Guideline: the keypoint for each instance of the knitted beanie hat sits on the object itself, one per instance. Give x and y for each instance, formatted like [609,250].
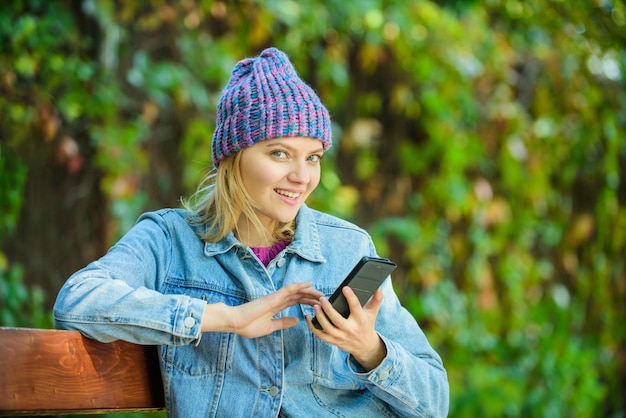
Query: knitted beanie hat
[266,99]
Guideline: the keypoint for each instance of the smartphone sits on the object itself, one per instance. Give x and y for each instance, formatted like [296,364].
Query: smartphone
[367,276]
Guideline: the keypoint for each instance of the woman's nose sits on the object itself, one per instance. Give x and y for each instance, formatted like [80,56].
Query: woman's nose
[299,173]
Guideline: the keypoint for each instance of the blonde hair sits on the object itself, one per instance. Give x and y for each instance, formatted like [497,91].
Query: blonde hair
[221,200]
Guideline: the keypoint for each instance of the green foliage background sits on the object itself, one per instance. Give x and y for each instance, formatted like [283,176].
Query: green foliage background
[480,142]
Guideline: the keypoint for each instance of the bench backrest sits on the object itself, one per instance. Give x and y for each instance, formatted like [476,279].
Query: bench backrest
[49,372]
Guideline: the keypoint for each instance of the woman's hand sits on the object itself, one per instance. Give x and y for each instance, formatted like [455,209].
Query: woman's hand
[355,334]
[256,318]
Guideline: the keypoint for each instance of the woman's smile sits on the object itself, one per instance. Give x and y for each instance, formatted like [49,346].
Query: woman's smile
[291,196]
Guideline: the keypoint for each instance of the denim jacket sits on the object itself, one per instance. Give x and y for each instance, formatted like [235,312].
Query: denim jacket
[152,286]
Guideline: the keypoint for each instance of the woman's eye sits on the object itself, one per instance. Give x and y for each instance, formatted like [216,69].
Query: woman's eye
[279,154]
[315,158]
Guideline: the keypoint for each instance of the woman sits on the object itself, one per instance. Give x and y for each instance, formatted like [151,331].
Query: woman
[227,288]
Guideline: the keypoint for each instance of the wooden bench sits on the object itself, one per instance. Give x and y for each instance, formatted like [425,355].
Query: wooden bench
[49,372]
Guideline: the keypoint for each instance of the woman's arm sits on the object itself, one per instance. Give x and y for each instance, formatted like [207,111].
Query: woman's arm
[388,352]
[120,296]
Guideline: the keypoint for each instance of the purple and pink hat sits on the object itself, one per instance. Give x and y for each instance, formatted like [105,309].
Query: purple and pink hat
[265,99]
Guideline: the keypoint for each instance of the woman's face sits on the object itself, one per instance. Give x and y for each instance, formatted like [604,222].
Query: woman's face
[279,174]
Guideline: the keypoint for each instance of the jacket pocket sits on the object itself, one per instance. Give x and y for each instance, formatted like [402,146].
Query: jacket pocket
[215,351]
[213,355]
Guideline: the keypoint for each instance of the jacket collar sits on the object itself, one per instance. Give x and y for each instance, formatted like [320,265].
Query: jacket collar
[307,240]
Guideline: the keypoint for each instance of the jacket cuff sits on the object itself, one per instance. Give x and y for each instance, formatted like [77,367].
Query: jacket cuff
[382,375]
[188,320]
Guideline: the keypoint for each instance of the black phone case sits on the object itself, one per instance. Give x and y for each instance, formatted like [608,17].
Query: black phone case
[364,279]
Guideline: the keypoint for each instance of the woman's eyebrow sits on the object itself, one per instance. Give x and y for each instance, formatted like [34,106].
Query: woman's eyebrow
[291,147]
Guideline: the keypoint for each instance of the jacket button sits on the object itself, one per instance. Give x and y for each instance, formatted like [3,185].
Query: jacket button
[189,322]
[383,375]
[280,262]
[273,391]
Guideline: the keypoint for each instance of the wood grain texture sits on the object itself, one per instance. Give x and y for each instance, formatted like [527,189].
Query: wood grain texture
[62,372]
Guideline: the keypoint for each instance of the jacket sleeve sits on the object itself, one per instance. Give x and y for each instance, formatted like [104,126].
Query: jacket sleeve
[411,379]
[118,296]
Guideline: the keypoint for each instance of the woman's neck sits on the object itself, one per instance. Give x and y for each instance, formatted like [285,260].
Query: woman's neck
[249,235]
